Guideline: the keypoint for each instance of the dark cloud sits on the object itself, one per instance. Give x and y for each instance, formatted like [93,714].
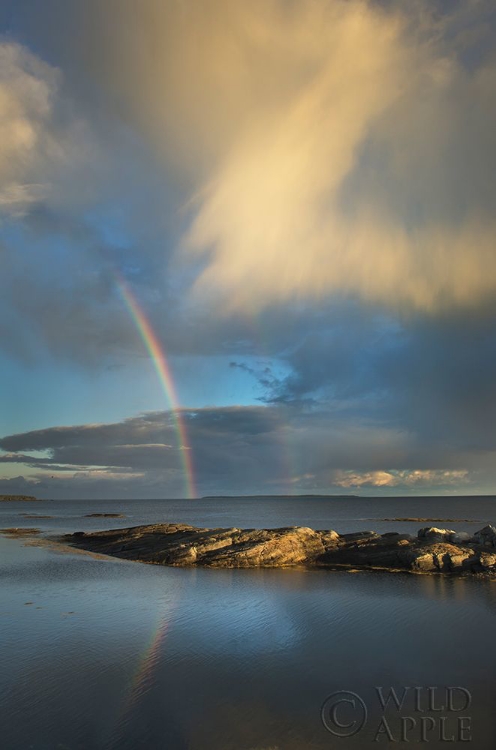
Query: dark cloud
[152,428]
[274,448]
[432,378]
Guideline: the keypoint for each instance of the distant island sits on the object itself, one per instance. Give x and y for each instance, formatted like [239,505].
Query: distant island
[18,498]
[432,550]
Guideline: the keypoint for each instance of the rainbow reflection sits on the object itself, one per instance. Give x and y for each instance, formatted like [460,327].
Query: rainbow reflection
[142,681]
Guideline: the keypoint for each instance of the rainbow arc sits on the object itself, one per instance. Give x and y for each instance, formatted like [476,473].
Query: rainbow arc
[164,374]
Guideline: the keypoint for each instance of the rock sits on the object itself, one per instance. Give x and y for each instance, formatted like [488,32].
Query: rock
[434,534]
[179,544]
[392,534]
[290,546]
[358,535]
[329,537]
[433,551]
[424,562]
[486,536]
[444,558]
[487,560]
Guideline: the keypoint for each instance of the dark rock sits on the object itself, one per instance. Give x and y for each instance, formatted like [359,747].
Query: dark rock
[486,536]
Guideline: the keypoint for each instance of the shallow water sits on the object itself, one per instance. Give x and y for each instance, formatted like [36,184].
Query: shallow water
[103,653]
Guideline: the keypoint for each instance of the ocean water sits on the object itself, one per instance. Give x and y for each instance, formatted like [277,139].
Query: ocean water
[99,653]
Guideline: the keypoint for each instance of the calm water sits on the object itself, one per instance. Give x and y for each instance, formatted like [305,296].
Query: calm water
[101,653]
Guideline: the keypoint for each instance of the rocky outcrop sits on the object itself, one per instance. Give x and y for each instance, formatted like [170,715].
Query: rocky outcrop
[17,498]
[433,550]
[180,544]
[19,531]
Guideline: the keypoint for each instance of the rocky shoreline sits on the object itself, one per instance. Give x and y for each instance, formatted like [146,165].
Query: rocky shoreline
[433,550]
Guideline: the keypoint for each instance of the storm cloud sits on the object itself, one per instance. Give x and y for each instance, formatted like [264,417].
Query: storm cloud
[318,148]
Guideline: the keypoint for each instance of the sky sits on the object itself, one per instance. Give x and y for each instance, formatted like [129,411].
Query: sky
[247,247]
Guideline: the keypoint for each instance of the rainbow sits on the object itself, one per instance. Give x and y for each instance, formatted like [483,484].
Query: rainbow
[157,354]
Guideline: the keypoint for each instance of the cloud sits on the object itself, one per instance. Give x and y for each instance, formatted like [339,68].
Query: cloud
[301,151]
[50,161]
[44,142]
[16,198]
[149,429]
[321,148]
[403,479]
[367,179]
[27,88]
[79,199]
[239,450]
[74,458]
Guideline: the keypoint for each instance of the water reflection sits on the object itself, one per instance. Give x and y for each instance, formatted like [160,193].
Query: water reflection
[114,655]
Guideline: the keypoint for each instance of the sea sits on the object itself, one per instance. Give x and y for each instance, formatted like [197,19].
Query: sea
[98,653]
